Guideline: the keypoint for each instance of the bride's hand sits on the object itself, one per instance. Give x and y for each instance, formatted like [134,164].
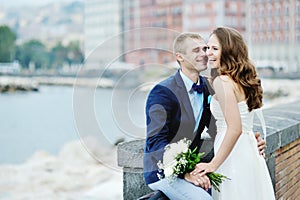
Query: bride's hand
[201,181]
[261,144]
[203,168]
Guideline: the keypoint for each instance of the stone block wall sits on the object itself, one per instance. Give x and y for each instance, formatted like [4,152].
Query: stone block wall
[287,171]
[130,157]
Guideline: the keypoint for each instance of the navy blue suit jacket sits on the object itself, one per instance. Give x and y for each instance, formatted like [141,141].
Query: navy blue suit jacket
[170,118]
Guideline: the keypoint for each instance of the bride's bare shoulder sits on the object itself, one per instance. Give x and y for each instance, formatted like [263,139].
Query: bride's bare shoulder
[228,85]
[223,79]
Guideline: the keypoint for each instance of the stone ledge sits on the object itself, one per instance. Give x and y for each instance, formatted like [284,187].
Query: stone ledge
[130,154]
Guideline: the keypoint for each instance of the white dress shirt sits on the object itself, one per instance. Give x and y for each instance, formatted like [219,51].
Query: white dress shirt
[196,99]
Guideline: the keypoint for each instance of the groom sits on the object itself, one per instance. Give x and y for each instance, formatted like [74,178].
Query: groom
[178,108]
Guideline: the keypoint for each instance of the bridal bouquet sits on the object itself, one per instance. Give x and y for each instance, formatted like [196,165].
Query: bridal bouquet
[179,159]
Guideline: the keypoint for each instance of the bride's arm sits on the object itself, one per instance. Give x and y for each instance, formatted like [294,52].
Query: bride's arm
[226,97]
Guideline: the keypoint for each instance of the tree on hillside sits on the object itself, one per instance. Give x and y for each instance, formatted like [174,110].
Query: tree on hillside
[75,55]
[33,52]
[70,54]
[58,55]
[7,44]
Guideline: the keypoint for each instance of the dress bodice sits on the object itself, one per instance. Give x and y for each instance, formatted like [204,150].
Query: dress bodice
[246,116]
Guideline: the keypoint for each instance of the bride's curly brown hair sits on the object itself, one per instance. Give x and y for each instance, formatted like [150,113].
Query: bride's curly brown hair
[236,64]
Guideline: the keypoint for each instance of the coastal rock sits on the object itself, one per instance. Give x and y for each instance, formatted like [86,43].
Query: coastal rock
[18,87]
[8,84]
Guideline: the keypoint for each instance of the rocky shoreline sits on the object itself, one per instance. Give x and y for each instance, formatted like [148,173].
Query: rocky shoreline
[274,89]
[13,84]
[16,84]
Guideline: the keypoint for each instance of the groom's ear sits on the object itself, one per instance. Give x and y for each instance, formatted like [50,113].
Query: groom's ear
[179,57]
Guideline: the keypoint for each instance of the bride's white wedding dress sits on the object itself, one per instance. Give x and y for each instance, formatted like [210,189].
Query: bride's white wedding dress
[247,169]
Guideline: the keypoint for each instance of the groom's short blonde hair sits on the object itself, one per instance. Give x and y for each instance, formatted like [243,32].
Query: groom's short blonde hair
[179,45]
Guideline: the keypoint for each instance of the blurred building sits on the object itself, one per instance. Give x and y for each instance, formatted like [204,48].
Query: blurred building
[171,17]
[103,25]
[274,33]
[119,29]
[122,27]
[10,68]
[203,15]
[151,45]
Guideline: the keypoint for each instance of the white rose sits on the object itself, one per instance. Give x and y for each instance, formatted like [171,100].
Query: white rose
[168,169]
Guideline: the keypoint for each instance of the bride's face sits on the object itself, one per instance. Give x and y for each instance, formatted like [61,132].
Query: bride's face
[213,52]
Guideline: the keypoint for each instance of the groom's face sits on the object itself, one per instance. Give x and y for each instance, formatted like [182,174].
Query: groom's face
[195,57]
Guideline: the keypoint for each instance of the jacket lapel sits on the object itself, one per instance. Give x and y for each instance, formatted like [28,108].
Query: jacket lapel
[183,97]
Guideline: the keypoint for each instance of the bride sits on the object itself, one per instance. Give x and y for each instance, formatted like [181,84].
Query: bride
[238,94]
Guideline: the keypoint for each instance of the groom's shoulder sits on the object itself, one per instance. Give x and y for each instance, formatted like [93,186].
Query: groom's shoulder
[164,87]
[167,83]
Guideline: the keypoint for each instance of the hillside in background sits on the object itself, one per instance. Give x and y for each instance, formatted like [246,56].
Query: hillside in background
[52,22]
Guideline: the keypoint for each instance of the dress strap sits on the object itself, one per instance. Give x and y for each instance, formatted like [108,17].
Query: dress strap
[261,118]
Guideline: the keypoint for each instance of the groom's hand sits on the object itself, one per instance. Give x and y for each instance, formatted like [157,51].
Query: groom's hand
[261,144]
[201,181]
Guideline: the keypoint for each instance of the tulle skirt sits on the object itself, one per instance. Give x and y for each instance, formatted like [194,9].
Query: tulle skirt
[247,170]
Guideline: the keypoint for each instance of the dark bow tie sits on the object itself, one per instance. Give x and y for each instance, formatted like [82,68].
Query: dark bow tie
[198,88]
